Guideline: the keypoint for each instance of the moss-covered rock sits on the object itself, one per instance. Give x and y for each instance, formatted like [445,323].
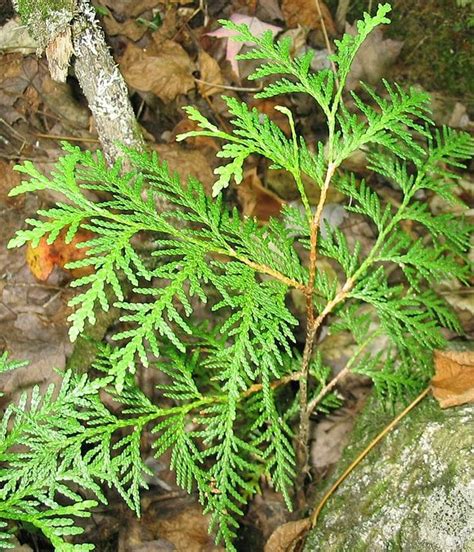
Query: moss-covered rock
[414,492]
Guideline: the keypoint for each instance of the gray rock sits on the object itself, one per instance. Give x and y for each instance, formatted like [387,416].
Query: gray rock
[414,492]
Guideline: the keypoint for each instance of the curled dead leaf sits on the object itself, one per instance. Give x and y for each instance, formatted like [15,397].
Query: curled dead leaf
[129,28]
[306,14]
[44,257]
[257,201]
[210,74]
[287,536]
[164,70]
[453,383]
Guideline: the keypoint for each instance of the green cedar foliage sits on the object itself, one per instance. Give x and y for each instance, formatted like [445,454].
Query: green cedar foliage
[229,419]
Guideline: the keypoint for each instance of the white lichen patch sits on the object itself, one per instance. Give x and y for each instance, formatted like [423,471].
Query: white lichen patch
[103,85]
[448,520]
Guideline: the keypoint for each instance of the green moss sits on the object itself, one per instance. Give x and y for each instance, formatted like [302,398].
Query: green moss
[45,19]
[375,493]
[43,8]
[438,51]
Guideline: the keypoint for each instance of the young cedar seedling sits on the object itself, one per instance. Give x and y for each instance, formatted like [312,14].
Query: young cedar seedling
[234,417]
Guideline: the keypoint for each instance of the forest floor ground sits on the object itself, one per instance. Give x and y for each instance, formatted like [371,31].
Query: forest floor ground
[169,61]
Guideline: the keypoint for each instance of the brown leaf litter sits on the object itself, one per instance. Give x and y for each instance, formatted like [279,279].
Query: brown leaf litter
[453,383]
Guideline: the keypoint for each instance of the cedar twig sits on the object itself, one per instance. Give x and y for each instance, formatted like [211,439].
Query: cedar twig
[263,269]
[228,86]
[341,375]
[66,138]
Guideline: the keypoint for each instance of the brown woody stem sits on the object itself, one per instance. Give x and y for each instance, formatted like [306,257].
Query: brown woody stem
[313,324]
[274,385]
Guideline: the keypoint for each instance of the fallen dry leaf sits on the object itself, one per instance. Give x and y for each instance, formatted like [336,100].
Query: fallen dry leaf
[165,70]
[257,201]
[15,74]
[131,8]
[306,14]
[453,383]
[256,27]
[186,125]
[210,73]
[14,37]
[373,58]
[176,526]
[188,531]
[44,257]
[269,10]
[129,28]
[8,180]
[287,536]
[267,107]
[187,162]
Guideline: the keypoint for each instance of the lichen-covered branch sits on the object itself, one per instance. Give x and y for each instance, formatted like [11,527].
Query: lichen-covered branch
[65,27]
[103,85]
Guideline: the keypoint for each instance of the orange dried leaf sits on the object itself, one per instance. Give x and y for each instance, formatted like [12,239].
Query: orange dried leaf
[43,258]
[306,14]
[453,383]
[40,259]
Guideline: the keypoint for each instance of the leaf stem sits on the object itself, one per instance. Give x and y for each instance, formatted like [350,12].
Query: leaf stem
[330,386]
[264,269]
